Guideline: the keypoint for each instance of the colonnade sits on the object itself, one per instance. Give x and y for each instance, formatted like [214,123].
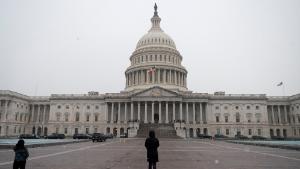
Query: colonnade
[39,113]
[156,112]
[279,114]
[163,76]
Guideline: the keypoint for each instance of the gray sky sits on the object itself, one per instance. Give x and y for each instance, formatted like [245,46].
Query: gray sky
[237,46]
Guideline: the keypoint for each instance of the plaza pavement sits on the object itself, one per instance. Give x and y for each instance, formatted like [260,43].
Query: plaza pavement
[173,154]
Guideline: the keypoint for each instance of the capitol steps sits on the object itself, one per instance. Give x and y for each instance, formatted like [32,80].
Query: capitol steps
[161,130]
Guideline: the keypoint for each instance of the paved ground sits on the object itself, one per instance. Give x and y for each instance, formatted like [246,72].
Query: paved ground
[173,154]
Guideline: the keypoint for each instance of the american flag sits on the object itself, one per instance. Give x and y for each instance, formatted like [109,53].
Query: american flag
[279,84]
[151,70]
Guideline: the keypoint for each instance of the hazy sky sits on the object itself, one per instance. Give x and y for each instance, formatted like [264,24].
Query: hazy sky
[76,46]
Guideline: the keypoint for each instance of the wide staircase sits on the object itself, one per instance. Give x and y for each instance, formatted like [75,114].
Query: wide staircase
[161,130]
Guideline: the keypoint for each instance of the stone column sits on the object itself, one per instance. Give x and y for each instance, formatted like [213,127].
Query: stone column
[112,112]
[142,77]
[153,76]
[175,77]
[173,111]
[32,113]
[167,113]
[147,77]
[44,114]
[106,112]
[279,114]
[38,116]
[159,112]
[170,76]
[194,113]
[158,74]
[125,116]
[146,113]
[285,114]
[273,115]
[131,111]
[152,115]
[164,76]
[119,112]
[201,115]
[180,110]
[187,112]
[139,111]
[5,110]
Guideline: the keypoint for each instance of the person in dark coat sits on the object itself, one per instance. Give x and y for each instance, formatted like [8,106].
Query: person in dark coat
[151,145]
[21,155]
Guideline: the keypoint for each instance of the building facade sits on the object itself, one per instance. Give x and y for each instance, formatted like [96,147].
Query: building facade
[155,92]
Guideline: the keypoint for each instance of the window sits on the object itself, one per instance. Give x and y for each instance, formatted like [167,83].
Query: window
[236,107]
[66,130]
[95,130]
[15,129]
[97,107]
[77,117]
[248,107]
[88,107]
[225,107]
[249,120]
[58,106]
[77,107]
[295,132]
[299,119]
[226,119]
[87,117]
[67,107]
[249,131]
[257,107]
[259,132]
[76,131]
[87,130]
[218,131]
[258,120]
[227,131]
[217,108]
[217,119]
[57,116]
[66,117]
[96,117]
[16,116]
[237,118]
[56,130]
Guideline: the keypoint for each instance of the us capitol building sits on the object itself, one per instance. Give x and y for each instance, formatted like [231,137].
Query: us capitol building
[155,95]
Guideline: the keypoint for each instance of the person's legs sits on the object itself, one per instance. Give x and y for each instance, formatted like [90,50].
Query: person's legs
[150,165]
[16,165]
[22,164]
[154,165]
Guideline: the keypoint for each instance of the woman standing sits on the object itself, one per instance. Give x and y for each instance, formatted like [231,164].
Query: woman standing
[21,155]
[151,145]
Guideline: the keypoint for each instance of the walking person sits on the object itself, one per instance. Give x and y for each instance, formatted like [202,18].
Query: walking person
[151,145]
[21,155]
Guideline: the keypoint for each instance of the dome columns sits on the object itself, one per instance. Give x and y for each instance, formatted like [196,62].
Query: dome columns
[160,76]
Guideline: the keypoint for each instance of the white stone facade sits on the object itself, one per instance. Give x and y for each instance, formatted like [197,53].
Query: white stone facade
[155,92]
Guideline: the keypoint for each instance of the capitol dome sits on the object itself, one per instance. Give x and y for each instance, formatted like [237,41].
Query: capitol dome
[156,61]
[155,38]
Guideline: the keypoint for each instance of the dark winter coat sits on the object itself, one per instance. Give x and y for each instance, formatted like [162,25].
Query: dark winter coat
[152,144]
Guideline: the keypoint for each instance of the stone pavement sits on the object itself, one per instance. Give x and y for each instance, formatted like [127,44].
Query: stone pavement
[173,154]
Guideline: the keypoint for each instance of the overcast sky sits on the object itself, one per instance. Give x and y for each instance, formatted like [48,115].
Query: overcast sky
[238,46]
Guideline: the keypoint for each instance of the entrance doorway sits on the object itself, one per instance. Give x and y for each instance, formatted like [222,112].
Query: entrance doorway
[45,131]
[284,133]
[115,132]
[156,118]
[191,132]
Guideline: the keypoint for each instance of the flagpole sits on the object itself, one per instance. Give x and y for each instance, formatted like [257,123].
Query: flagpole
[283,91]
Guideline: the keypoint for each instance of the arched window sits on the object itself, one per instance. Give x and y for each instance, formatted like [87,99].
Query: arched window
[237,117]
[77,116]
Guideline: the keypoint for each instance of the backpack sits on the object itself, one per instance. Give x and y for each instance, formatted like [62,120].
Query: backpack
[21,155]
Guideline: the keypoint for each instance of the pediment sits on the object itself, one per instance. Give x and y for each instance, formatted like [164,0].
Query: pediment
[156,92]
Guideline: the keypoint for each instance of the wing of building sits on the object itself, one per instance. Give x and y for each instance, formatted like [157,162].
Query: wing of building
[156,97]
